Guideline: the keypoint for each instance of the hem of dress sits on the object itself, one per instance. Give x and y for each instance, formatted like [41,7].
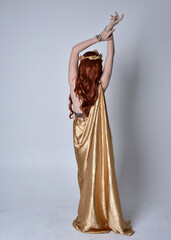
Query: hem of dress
[103,231]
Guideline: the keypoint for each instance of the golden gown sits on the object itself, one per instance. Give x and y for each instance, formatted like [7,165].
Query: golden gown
[99,209]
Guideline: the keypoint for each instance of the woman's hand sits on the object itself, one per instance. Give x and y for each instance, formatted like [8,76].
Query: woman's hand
[114,20]
[106,34]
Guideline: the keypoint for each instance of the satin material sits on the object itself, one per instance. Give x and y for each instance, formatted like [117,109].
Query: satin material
[99,209]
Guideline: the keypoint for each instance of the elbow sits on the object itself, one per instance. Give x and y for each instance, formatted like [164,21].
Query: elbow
[74,48]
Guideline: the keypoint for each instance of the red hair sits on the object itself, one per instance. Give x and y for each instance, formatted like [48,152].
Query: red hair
[89,74]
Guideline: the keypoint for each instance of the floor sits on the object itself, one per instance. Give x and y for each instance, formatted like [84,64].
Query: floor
[54,222]
[31,209]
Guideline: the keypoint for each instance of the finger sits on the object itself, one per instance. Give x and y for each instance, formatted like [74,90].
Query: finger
[117,17]
[113,16]
[117,14]
[121,17]
[114,19]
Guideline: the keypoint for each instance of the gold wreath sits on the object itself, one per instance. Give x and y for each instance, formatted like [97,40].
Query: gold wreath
[92,57]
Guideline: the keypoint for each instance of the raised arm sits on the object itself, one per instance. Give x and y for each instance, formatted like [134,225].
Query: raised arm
[74,57]
[105,34]
[111,47]
[108,65]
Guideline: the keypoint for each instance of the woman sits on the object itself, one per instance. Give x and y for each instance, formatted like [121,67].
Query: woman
[99,209]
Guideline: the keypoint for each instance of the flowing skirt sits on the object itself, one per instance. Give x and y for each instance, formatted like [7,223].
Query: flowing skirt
[99,209]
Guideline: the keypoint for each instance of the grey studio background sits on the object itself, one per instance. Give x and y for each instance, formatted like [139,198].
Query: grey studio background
[39,192]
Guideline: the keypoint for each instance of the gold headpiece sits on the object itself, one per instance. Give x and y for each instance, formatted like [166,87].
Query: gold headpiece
[92,57]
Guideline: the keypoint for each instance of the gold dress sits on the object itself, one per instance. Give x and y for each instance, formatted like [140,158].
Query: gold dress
[99,209]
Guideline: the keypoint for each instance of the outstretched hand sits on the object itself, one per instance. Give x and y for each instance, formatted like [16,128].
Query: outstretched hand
[114,20]
[106,34]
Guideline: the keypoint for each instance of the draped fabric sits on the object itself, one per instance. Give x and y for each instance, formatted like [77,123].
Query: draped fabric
[99,209]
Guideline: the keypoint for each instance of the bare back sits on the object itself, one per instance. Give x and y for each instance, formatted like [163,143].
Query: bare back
[75,100]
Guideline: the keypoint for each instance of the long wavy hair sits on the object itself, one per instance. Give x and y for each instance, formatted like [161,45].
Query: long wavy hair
[89,74]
